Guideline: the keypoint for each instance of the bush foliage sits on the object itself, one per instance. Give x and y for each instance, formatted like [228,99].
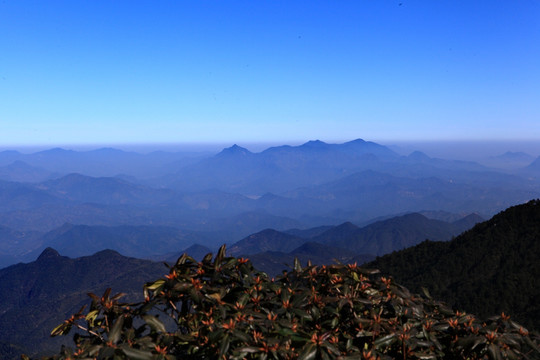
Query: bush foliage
[222,308]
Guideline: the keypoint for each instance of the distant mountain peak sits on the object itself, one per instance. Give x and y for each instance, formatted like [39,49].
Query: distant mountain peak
[418,156]
[535,165]
[108,150]
[315,143]
[359,144]
[514,155]
[369,147]
[48,253]
[10,152]
[108,253]
[235,147]
[235,150]
[56,150]
[411,215]
[347,226]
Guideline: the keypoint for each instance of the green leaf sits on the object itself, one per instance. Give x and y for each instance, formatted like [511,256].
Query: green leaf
[220,256]
[471,342]
[384,341]
[181,260]
[224,347]
[325,356]
[154,323]
[425,356]
[297,265]
[241,336]
[494,352]
[426,293]
[207,258]
[107,293]
[249,349]
[91,317]
[309,352]
[155,285]
[331,348]
[352,357]
[369,271]
[118,296]
[116,330]
[137,354]
[61,329]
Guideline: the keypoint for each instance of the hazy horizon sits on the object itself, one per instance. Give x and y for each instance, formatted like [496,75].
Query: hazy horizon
[456,150]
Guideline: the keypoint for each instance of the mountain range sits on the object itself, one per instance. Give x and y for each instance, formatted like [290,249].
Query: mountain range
[270,250]
[162,242]
[486,270]
[225,197]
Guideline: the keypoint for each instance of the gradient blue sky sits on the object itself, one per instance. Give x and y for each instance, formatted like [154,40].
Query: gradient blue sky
[110,72]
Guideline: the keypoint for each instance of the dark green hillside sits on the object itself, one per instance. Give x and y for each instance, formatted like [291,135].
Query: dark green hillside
[491,268]
[35,296]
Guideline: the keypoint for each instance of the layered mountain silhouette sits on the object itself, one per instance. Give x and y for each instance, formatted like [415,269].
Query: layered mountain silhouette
[103,190]
[135,241]
[510,160]
[534,167]
[282,168]
[234,193]
[266,240]
[394,234]
[22,172]
[271,250]
[104,162]
[34,297]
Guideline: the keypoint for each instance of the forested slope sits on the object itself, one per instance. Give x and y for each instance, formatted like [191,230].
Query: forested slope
[491,268]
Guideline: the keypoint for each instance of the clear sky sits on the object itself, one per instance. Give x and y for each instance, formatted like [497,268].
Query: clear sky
[109,72]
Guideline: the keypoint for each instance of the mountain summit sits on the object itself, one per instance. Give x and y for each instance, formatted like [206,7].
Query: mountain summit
[48,253]
[235,150]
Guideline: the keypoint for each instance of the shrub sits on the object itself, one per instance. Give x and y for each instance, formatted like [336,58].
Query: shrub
[223,308]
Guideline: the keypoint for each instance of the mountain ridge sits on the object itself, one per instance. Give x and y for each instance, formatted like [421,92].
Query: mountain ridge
[496,259]
[53,286]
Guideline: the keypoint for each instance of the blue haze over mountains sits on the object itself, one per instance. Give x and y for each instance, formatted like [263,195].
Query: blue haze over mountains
[70,199]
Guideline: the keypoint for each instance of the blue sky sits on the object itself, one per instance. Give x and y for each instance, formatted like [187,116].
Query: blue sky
[112,72]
